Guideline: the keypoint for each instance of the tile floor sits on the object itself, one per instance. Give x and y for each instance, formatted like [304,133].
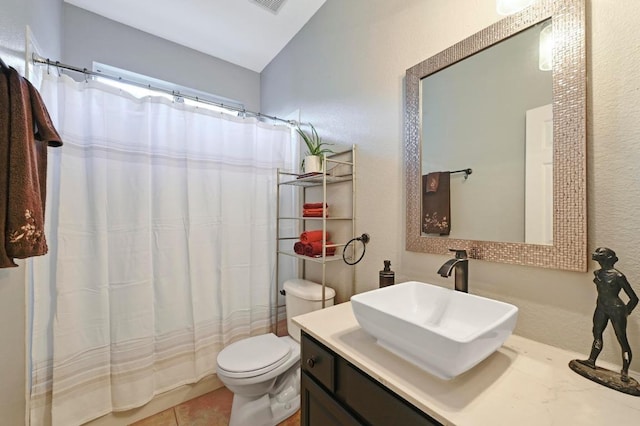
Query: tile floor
[211,409]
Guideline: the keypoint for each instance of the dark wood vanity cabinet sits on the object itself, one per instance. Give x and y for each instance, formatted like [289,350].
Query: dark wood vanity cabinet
[335,392]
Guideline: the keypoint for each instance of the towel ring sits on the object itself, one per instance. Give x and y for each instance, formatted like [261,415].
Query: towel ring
[364,238]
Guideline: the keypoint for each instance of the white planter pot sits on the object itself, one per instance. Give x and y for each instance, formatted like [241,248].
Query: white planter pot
[312,164]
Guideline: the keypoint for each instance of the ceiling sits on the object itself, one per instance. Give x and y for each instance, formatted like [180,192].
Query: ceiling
[238,31]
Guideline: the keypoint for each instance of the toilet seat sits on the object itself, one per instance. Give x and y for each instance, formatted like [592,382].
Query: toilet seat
[253,356]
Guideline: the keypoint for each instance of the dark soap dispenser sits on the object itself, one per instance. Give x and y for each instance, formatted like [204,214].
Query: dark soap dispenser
[387,276]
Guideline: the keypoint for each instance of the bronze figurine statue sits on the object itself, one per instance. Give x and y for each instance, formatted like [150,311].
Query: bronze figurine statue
[609,307]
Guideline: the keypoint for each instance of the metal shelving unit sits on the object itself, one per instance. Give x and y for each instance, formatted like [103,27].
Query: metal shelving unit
[340,169]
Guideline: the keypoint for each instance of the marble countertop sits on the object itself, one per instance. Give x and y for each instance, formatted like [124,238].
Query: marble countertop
[523,383]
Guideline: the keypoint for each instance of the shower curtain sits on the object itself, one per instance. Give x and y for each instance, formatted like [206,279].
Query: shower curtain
[161,228]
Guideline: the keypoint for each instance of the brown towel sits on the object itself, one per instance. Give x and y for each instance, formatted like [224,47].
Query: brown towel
[5,261]
[433,180]
[25,132]
[436,204]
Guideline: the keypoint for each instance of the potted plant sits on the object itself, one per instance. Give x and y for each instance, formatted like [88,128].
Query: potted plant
[312,162]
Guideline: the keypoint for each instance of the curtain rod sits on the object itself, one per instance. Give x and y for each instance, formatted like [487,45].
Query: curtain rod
[40,60]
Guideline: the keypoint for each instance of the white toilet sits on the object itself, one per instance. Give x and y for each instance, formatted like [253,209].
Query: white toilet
[263,372]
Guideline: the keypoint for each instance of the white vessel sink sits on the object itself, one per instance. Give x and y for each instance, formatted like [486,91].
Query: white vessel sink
[442,331]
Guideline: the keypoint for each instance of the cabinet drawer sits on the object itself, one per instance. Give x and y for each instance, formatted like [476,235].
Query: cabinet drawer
[318,362]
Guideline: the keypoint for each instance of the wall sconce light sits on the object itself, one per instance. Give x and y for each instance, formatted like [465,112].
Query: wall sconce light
[545,59]
[509,7]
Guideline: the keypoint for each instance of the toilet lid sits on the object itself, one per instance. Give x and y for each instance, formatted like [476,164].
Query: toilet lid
[253,356]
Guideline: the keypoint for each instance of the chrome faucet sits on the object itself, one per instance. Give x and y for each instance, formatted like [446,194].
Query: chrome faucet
[461,264]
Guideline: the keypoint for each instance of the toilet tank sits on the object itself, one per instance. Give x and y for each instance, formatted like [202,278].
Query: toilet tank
[301,297]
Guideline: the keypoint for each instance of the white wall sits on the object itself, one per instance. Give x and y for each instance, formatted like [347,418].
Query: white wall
[88,37]
[43,17]
[345,72]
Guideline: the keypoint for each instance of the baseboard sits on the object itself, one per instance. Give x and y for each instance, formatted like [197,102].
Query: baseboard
[160,403]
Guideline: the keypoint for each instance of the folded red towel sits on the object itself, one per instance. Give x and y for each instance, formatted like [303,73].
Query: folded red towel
[314,205]
[299,247]
[315,249]
[315,212]
[312,214]
[311,236]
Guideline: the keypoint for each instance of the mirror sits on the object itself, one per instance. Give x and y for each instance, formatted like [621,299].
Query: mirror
[492,142]
[461,114]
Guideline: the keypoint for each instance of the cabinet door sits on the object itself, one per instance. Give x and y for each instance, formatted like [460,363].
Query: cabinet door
[318,408]
[374,403]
